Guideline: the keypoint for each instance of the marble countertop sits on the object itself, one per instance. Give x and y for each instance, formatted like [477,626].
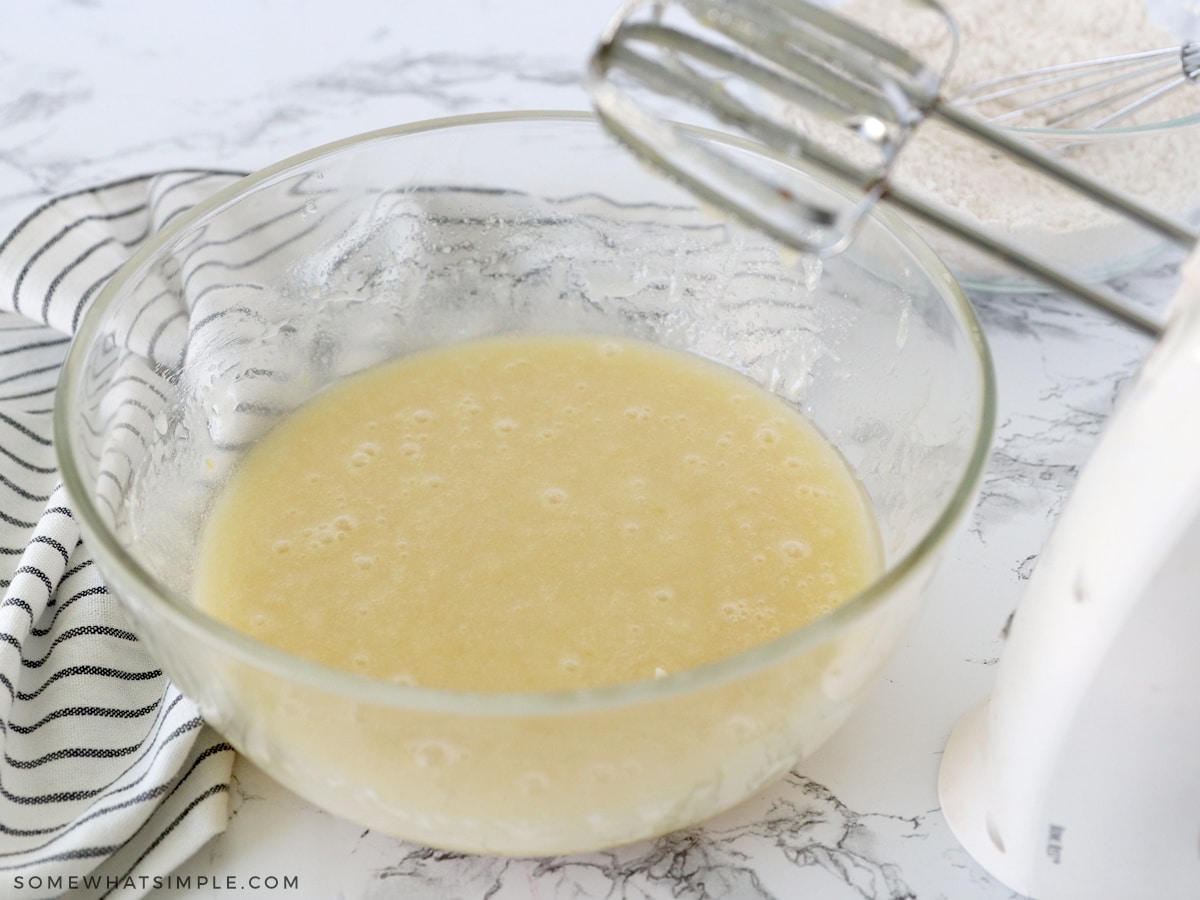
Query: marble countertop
[95,90]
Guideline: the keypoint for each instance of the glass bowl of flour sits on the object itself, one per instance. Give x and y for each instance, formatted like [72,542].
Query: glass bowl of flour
[1154,157]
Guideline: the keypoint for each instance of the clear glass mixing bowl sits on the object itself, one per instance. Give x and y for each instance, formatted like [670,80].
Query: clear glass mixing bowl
[376,246]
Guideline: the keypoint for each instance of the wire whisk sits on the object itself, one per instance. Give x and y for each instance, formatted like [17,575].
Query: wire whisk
[1088,94]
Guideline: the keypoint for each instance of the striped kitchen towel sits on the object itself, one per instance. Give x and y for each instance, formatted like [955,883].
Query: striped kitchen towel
[107,771]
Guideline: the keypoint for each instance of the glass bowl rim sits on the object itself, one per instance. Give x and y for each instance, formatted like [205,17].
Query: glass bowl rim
[108,551]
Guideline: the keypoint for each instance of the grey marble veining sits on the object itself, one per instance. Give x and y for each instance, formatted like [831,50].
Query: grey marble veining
[824,845]
[100,90]
[798,840]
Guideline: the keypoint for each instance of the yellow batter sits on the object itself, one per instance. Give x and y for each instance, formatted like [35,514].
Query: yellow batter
[533,514]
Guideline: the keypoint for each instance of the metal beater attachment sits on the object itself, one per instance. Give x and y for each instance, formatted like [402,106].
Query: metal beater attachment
[791,76]
[1089,94]
[826,107]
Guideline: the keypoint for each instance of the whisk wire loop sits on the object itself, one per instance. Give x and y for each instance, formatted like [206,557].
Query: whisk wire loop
[1089,87]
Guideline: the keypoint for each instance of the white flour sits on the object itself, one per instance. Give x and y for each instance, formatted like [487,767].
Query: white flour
[1001,37]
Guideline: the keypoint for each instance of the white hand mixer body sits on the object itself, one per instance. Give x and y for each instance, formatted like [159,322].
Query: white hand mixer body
[1080,777]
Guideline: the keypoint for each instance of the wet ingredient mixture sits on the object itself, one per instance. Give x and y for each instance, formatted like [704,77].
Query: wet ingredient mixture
[535,514]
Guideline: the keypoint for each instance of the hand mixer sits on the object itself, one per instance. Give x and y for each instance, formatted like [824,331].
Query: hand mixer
[822,92]
[1079,777]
